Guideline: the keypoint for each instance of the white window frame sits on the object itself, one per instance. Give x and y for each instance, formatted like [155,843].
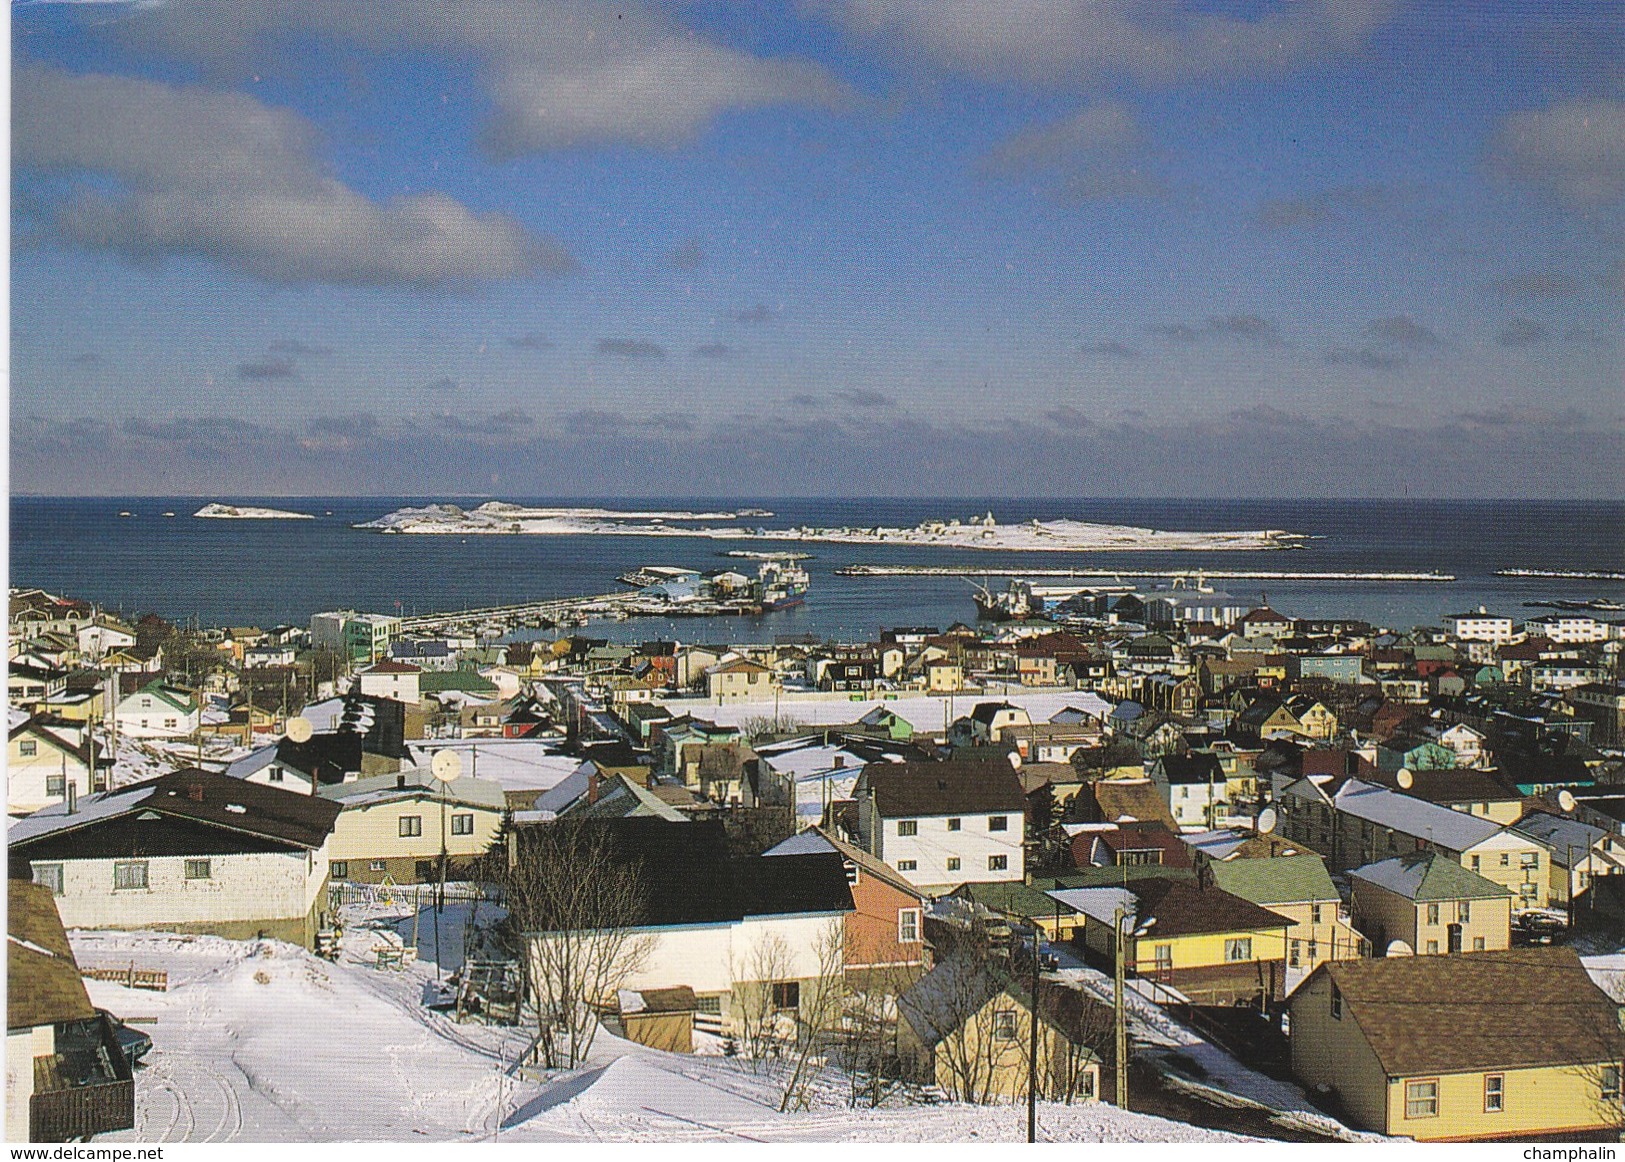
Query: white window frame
[43,876]
[908,925]
[194,866]
[907,828]
[1425,1101]
[1495,1093]
[125,869]
[907,865]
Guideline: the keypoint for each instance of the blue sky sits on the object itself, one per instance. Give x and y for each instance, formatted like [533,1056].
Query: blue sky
[836,246]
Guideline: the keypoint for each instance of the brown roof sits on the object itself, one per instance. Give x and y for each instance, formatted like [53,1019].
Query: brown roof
[1182,908]
[1114,799]
[673,1000]
[43,986]
[957,787]
[1512,1009]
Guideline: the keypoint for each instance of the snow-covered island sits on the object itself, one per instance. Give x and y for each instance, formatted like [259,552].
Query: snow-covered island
[980,532]
[247,512]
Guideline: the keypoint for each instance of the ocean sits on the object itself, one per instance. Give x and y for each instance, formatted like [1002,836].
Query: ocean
[225,572]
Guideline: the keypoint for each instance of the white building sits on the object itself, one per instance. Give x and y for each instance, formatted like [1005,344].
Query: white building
[158,710]
[394,680]
[1482,626]
[944,824]
[1567,628]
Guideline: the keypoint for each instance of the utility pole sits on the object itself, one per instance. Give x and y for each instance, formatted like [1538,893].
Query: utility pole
[1120,1016]
[1032,1047]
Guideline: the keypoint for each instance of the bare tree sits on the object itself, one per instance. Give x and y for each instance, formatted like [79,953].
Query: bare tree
[818,1017]
[574,904]
[869,1032]
[756,1011]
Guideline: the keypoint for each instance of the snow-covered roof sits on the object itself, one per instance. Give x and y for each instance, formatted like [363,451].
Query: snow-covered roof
[252,762]
[923,712]
[1455,830]
[518,764]
[808,842]
[464,791]
[90,808]
[1100,904]
[567,790]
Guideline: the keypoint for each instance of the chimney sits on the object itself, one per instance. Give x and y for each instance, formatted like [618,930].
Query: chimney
[400,782]
[592,787]
[73,797]
[194,792]
[840,761]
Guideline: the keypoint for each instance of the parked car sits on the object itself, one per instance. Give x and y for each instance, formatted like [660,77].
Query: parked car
[135,1043]
[1535,927]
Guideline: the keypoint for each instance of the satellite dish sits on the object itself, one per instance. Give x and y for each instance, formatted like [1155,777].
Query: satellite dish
[1015,759]
[1405,779]
[1267,820]
[1565,799]
[1399,948]
[299,728]
[445,765]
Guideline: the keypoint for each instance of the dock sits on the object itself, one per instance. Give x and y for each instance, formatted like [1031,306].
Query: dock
[1118,574]
[496,620]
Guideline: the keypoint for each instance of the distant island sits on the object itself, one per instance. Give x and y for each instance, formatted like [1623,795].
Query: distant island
[248,512]
[977,532]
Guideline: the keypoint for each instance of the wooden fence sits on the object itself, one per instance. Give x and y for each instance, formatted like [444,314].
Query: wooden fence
[152,979]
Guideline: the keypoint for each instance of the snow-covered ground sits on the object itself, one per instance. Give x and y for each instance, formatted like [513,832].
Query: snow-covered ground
[974,533]
[248,512]
[262,1041]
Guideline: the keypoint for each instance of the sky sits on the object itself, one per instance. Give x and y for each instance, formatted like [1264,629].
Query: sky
[827,247]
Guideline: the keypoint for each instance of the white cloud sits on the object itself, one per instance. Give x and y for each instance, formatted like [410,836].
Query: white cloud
[1060,40]
[1576,150]
[222,176]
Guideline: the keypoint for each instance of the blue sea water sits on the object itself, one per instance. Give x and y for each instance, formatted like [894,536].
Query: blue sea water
[266,572]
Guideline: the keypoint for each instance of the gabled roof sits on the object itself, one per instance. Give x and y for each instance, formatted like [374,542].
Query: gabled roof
[43,985]
[1428,876]
[1160,906]
[815,839]
[1559,835]
[1517,1008]
[1455,830]
[1284,879]
[958,787]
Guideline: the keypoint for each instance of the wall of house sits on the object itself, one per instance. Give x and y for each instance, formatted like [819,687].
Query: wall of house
[251,889]
[1333,938]
[1516,863]
[872,927]
[933,845]
[1332,1052]
[1535,1101]
[1386,916]
[148,716]
[26,775]
[22,1046]
[373,831]
[994,1068]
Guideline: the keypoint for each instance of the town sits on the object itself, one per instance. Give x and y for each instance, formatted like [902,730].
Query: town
[1172,864]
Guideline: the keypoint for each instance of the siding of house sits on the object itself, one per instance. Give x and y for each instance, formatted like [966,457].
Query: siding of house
[1386,916]
[26,774]
[1331,1051]
[933,845]
[1535,1101]
[373,831]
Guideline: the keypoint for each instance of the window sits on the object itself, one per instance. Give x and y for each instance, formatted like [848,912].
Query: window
[28,748]
[908,827]
[341,869]
[998,822]
[998,862]
[1529,859]
[712,1005]
[1004,1026]
[1433,913]
[375,865]
[1464,911]
[132,875]
[1240,948]
[1422,1099]
[1494,1093]
[908,926]
[787,994]
[953,863]
[1478,944]
[1610,1083]
[1337,1003]
[1314,913]
[1433,948]
[411,825]
[1314,950]
[50,875]
[462,824]
[1164,957]
[198,869]
[954,824]
[1506,859]
[906,865]
[1294,957]
[276,774]
[56,786]
[170,723]
[1475,863]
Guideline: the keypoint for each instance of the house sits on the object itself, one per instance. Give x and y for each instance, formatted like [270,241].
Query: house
[617,795]
[397,826]
[28,684]
[1580,852]
[1481,625]
[1212,947]
[944,675]
[943,824]
[42,764]
[66,1076]
[967,1027]
[1196,787]
[1023,904]
[190,851]
[885,935]
[394,680]
[738,679]
[158,710]
[1129,845]
[1432,905]
[988,721]
[1428,1047]
[1300,888]
[726,927]
[1125,797]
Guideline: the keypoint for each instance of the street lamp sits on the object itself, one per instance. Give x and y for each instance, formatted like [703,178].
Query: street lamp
[445,767]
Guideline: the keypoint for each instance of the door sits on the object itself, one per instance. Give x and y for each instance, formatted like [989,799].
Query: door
[1453,935]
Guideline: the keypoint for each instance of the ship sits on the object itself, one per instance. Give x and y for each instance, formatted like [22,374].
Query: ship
[782,585]
[1016,603]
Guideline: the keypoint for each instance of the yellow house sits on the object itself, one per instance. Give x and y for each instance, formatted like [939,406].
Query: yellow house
[739,680]
[1214,947]
[1432,904]
[391,825]
[968,1028]
[1463,1048]
[1300,888]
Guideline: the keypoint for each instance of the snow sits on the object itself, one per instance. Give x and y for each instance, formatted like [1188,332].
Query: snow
[248,512]
[497,517]
[1608,971]
[262,1041]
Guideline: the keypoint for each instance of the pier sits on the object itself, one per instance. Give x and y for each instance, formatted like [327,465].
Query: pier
[503,618]
[1117,574]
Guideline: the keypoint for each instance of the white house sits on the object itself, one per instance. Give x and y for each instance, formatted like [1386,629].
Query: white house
[190,851]
[944,824]
[393,680]
[1467,743]
[158,710]
[1567,628]
[1481,625]
[102,637]
[41,766]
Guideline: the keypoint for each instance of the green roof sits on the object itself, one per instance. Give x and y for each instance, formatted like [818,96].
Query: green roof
[1281,879]
[1013,899]
[1427,875]
[1109,877]
[468,681]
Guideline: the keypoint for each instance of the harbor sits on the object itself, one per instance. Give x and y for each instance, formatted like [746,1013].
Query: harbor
[1119,574]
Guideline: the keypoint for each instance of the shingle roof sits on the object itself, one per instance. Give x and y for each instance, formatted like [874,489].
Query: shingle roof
[1427,875]
[1167,906]
[43,986]
[1285,879]
[1455,830]
[906,789]
[1516,1008]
